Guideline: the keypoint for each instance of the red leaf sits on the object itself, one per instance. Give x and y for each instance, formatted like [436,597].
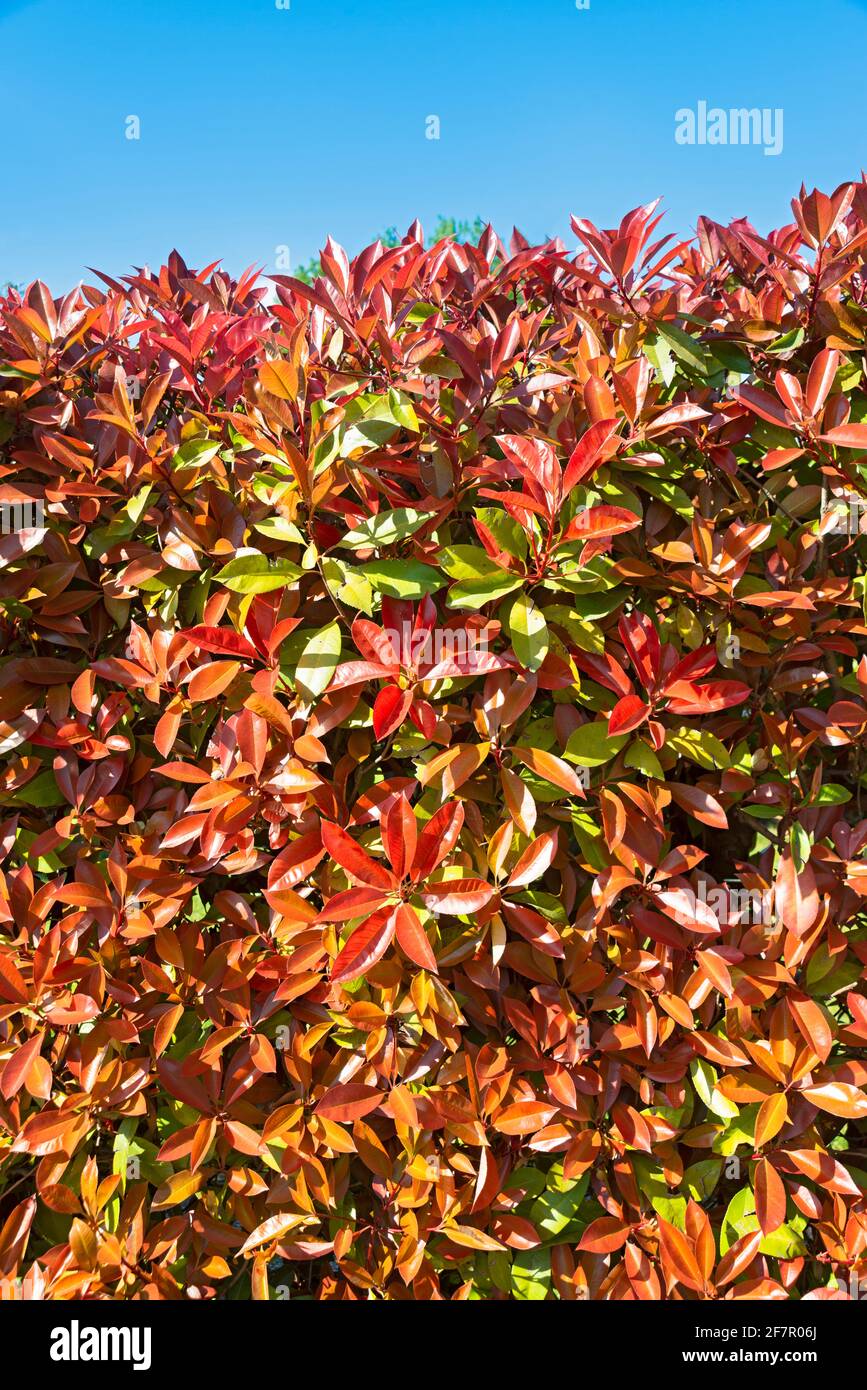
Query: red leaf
[552,769]
[293,864]
[594,523]
[537,857]
[846,436]
[12,986]
[795,895]
[737,1258]
[587,455]
[628,714]
[400,835]
[412,938]
[390,708]
[698,663]
[212,679]
[223,640]
[16,1068]
[678,1257]
[457,895]
[183,1086]
[700,804]
[603,1235]
[686,698]
[770,1197]
[779,598]
[437,840]
[349,1102]
[358,673]
[641,641]
[838,1098]
[536,461]
[354,902]
[605,671]
[534,928]
[716,971]
[367,944]
[354,861]
[812,1024]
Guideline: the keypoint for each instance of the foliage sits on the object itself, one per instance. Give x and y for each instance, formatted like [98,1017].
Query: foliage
[446,227]
[408,693]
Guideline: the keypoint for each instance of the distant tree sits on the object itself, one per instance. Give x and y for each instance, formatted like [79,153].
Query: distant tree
[460,230]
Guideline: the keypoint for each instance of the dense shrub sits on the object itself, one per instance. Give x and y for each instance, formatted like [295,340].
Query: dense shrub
[432,724]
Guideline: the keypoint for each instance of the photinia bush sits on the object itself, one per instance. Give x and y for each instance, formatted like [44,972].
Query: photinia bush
[432,709]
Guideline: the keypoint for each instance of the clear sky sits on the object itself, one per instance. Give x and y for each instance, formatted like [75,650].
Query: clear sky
[263,127]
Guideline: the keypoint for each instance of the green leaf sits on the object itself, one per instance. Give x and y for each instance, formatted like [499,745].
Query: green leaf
[41,790]
[584,634]
[386,527]
[740,1129]
[786,1243]
[658,354]
[256,574]
[531,1180]
[196,452]
[103,538]
[128,1144]
[371,420]
[136,506]
[591,745]
[686,349]
[279,528]
[531,1274]
[528,631]
[761,812]
[722,1107]
[507,532]
[590,607]
[699,746]
[826,975]
[639,755]
[669,493]
[731,357]
[348,585]
[500,1270]
[475,593]
[671,1209]
[402,578]
[402,410]
[120,528]
[700,1179]
[590,838]
[832,794]
[480,579]
[558,1206]
[318,662]
[704,1078]
[800,846]
[788,342]
[468,562]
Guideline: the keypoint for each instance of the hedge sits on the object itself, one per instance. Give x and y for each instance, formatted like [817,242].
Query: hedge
[432,706]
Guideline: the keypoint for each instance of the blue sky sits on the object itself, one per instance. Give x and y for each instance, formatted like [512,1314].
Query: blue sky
[264,127]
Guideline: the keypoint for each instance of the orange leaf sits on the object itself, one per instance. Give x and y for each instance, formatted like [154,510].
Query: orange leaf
[772,1115]
[770,1196]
